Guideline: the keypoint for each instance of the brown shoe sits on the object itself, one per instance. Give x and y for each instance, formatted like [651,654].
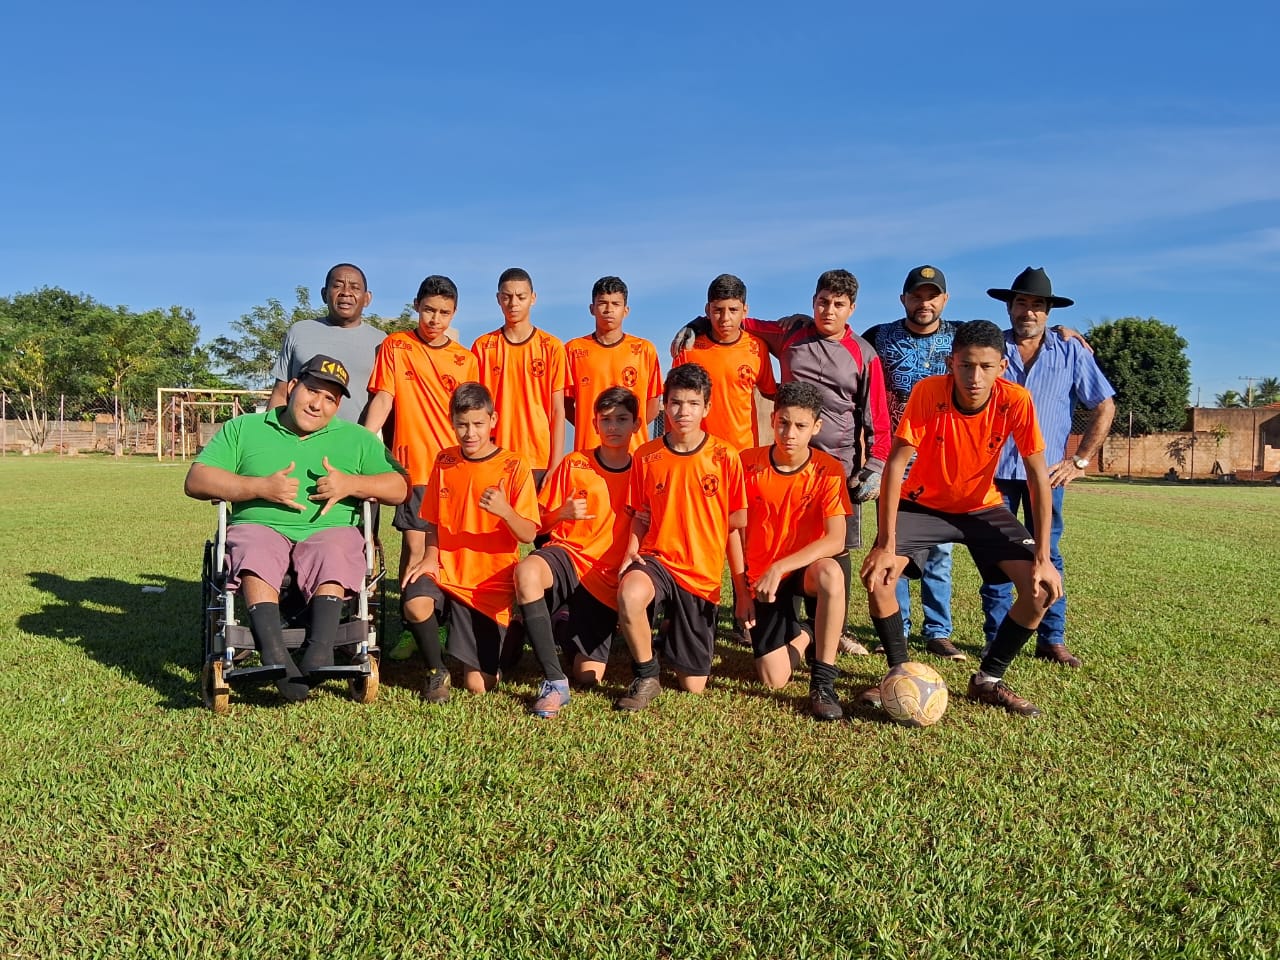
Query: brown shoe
[998,694]
[849,644]
[870,697]
[639,694]
[1057,653]
[435,688]
[943,647]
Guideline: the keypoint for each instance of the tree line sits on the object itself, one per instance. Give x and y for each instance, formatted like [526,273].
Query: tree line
[55,344]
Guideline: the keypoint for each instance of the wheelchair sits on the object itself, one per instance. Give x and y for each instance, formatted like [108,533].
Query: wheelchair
[229,644]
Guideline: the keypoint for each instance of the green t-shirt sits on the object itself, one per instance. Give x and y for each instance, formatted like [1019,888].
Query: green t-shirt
[258,445]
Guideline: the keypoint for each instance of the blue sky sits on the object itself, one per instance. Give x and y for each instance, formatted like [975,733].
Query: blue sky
[216,155]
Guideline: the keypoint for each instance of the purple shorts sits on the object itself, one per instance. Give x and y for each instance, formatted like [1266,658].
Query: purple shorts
[333,555]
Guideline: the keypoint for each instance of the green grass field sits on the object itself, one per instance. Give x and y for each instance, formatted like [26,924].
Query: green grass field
[1139,817]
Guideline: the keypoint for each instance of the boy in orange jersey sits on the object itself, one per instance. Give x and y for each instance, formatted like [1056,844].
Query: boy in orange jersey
[956,426]
[797,502]
[525,371]
[479,506]
[584,511]
[413,377]
[686,495]
[609,358]
[737,361]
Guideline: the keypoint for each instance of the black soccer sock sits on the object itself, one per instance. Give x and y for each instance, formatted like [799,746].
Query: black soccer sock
[846,571]
[1010,638]
[264,622]
[822,675]
[894,637]
[427,635]
[537,627]
[326,612]
[646,669]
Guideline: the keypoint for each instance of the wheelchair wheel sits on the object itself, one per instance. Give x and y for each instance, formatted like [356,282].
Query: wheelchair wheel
[213,689]
[365,689]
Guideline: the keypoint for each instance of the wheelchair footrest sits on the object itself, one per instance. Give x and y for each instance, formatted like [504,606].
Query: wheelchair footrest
[340,670]
[261,674]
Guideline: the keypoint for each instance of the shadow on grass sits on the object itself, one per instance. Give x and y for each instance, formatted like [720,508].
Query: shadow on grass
[153,638]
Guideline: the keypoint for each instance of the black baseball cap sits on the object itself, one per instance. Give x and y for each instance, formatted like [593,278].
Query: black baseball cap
[327,369]
[922,275]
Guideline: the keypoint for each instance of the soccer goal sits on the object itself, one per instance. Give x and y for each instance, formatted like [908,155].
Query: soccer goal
[186,418]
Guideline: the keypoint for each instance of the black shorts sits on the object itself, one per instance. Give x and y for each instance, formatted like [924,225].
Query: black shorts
[779,622]
[690,644]
[474,639]
[590,624]
[992,536]
[407,516]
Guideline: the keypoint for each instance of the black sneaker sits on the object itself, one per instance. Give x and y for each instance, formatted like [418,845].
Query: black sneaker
[639,694]
[824,704]
[435,689]
[998,694]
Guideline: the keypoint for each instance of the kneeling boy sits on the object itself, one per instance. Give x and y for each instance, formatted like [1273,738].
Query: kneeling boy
[478,505]
[797,502]
[584,513]
[686,495]
[955,426]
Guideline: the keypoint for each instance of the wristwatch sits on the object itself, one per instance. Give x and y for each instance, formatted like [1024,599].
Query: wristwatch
[1080,462]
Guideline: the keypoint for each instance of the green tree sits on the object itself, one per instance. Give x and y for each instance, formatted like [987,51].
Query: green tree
[1146,361]
[1229,398]
[1268,392]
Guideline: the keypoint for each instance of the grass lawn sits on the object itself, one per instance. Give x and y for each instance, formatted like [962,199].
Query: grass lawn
[1139,817]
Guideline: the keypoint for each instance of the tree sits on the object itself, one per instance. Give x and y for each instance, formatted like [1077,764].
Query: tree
[1146,361]
[1228,398]
[1268,392]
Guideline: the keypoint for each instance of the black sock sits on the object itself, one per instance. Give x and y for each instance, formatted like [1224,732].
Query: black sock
[427,634]
[264,622]
[1010,638]
[537,627]
[326,612]
[646,670]
[846,571]
[822,675]
[891,633]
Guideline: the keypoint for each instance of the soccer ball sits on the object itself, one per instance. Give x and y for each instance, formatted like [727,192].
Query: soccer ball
[914,694]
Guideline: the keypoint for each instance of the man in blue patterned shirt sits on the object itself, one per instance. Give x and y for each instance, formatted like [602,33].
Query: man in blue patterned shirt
[1060,374]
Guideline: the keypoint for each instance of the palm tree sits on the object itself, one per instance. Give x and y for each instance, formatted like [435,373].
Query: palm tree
[1229,398]
[1268,392]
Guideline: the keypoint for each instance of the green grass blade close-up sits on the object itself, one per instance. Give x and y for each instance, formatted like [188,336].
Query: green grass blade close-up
[1138,817]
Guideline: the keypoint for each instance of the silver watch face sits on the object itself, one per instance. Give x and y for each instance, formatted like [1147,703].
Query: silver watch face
[1080,463]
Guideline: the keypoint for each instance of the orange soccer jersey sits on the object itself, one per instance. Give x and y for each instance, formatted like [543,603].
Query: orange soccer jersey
[594,367]
[522,377]
[421,379]
[787,512]
[478,554]
[689,497]
[595,546]
[736,369]
[955,469]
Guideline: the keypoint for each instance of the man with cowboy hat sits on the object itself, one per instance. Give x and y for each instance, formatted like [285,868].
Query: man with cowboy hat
[1059,373]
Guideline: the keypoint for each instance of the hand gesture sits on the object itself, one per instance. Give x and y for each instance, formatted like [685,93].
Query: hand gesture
[575,509]
[494,499]
[281,488]
[333,487]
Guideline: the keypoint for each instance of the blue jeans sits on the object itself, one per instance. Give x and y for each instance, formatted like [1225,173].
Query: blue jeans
[935,594]
[998,598]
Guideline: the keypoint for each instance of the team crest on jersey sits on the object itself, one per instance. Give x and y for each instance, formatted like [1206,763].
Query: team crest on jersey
[447,459]
[538,368]
[448,382]
[719,454]
[710,485]
[459,359]
[746,376]
[995,443]
[629,376]
[637,348]
[578,353]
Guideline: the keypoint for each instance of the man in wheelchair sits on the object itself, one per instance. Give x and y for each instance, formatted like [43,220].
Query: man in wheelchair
[295,477]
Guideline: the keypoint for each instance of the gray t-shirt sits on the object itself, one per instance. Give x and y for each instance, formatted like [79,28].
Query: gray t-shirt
[356,347]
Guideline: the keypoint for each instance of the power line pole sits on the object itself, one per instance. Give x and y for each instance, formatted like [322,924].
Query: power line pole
[1248,395]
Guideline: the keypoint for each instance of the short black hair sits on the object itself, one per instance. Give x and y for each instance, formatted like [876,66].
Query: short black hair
[609,285]
[328,277]
[618,397]
[799,393]
[517,274]
[978,333]
[437,286]
[470,396]
[726,287]
[687,376]
[838,282]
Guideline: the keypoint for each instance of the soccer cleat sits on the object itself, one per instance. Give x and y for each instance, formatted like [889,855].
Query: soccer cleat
[551,698]
[849,644]
[870,697]
[404,648]
[639,694]
[435,688]
[998,694]
[943,647]
[824,704]
[1057,653]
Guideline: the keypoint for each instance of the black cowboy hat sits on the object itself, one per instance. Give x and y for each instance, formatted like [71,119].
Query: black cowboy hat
[1030,283]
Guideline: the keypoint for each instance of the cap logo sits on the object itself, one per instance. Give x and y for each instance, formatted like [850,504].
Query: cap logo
[928,273]
[334,369]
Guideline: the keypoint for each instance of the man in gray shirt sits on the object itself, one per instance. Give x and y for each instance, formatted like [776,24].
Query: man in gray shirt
[341,334]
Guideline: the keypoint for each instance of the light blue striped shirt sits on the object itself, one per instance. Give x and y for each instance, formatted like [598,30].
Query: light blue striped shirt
[1063,374]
